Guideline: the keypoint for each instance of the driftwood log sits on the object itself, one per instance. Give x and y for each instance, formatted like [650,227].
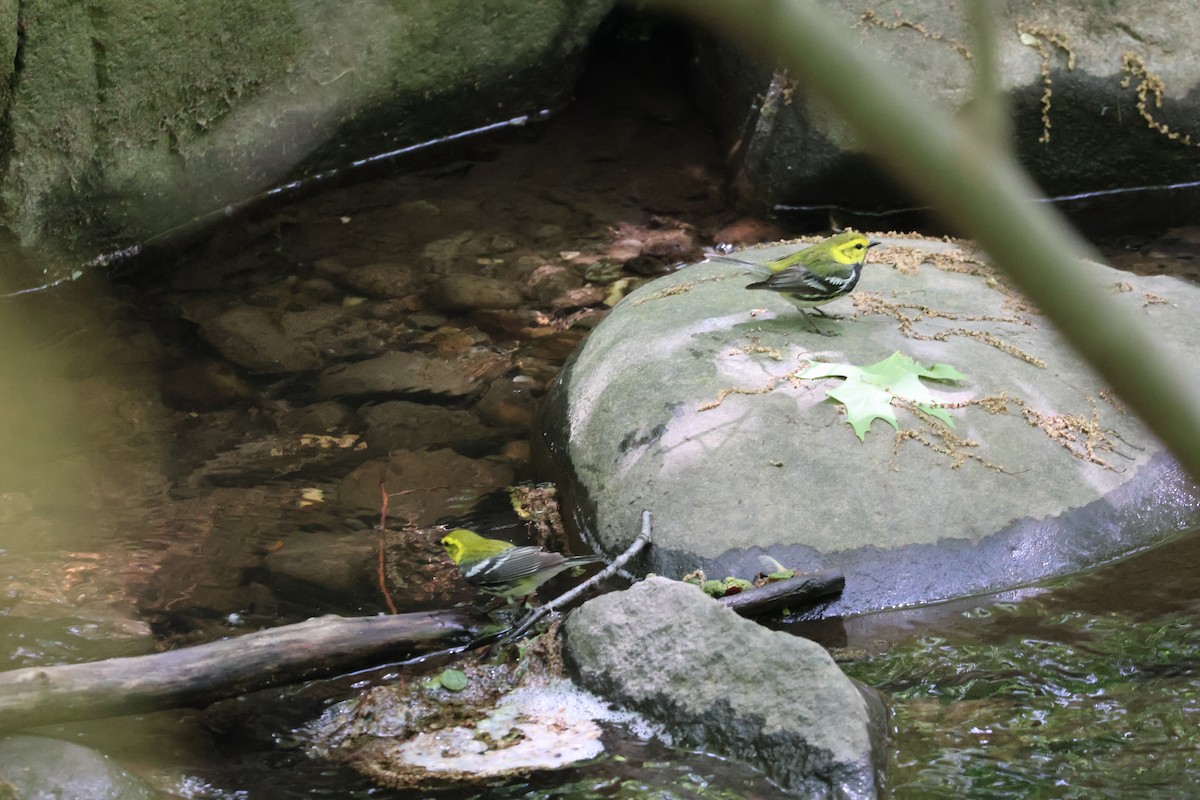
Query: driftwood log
[201,675]
[794,593]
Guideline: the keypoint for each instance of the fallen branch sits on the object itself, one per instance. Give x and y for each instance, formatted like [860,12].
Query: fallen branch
[796,592]
[201,675]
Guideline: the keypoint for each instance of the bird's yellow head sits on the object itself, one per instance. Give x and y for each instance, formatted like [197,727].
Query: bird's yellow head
[848,247]
[463,545]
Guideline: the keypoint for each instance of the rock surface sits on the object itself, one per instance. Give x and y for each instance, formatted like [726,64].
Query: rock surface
[40,767]
[725,684]
[128,118]
[686,401]
[1079,79]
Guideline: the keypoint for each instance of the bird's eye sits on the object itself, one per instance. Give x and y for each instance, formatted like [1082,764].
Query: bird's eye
[858,246]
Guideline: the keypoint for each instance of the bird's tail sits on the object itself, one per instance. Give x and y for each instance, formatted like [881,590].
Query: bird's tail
[756,268]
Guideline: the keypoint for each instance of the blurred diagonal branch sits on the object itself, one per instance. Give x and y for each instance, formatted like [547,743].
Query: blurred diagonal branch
[979,188]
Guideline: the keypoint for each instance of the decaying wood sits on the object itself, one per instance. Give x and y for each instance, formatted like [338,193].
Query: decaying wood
[798,592]
[201,675]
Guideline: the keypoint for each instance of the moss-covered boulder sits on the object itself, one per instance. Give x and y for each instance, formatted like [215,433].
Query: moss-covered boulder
[125,118]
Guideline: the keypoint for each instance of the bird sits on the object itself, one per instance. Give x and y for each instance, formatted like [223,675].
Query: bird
[502,568]
[814,275]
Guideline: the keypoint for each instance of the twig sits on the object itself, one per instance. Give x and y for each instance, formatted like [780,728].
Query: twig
[381,565]
[532,618]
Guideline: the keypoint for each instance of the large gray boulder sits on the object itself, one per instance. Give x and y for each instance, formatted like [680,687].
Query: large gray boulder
[129,117]
[725,684]
[686,401]
[1098,94]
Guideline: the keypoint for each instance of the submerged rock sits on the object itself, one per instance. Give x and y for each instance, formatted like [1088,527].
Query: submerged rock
[37,766]
[687,400]
[253,339]
[725,684]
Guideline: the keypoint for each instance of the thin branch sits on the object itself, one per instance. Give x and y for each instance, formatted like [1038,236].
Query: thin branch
[532,618]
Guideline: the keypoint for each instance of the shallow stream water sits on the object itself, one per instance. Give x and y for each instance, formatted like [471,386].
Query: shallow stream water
[152,494]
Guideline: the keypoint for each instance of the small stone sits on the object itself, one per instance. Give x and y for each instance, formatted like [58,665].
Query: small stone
[460,292]
[579,298]
[549,281]
[411,426]
[382,280]
[251,338]
[507,403]
[204,384]
[398,373]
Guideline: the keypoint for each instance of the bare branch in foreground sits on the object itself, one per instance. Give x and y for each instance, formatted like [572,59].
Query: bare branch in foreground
[532,618]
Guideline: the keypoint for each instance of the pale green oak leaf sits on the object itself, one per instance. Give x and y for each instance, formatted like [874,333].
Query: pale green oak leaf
[868,391]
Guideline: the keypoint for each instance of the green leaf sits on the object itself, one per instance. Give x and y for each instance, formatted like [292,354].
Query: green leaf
[868,391]
[453,680]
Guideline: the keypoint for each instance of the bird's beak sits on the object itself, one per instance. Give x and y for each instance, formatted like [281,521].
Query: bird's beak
[873,244]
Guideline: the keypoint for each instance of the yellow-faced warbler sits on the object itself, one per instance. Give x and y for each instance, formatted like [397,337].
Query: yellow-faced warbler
[502,568]
[815,275]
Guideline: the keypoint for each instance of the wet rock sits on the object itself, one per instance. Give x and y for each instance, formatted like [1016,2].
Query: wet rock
[424,485]
[382,280]
[463,292]
[251,338]
[272,457]
[549,281]
[339,331]
[335,565]
[507,403]
[582,297]
[399,373]
[206,384]
[722,683]
[1061,70]
[276,100]
[324,417]
[413,426]
[304,325]
[553,347]
[685,401]
[40,767]
[743,232]
[670,245]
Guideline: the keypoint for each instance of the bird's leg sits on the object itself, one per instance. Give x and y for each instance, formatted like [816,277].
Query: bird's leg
[813,325]
[826,314]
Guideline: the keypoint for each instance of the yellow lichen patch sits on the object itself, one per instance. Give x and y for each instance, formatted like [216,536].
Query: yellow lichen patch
[756,346]
[1151,299]
[870,17]
[1083,437]
[940,438]
[1107,396]
[994,403]
[906,260]
[868,303]
[721,395]
[1036,36]
[679,288]
[1149,84]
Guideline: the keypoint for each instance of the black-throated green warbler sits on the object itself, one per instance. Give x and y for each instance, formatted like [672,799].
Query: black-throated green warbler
[815,275]
[502,568]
